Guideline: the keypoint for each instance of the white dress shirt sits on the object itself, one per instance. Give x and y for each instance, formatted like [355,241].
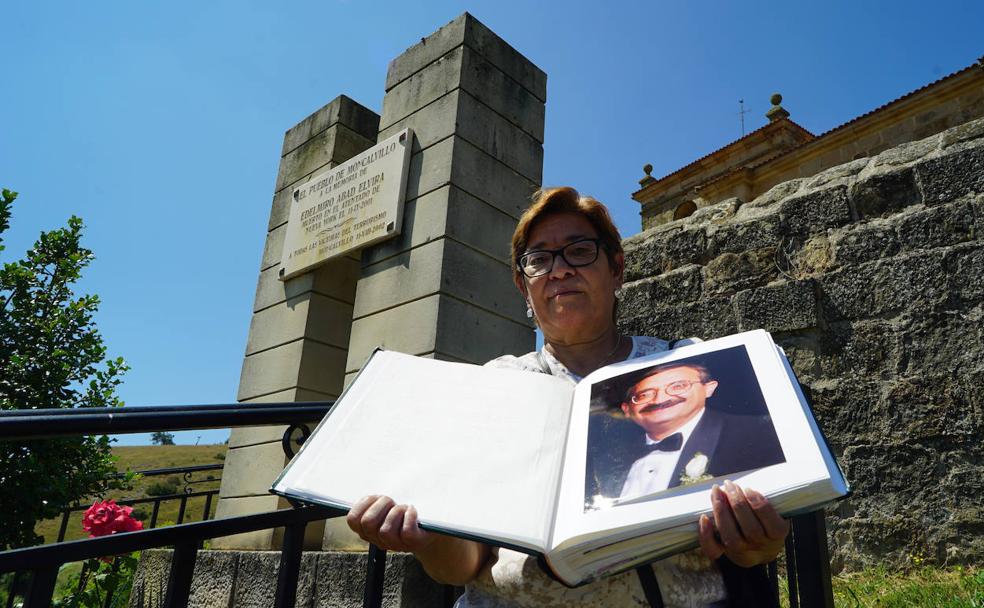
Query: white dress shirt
[652,472]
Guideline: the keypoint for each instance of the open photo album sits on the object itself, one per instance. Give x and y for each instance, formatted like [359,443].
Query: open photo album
[598,477]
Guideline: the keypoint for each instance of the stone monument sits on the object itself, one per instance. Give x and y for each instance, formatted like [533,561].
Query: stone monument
[439,288]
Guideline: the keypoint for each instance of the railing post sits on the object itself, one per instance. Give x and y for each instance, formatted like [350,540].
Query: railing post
[182,568]
[791,570]
[375,572]
[42,588]
[290,566]
[813,560]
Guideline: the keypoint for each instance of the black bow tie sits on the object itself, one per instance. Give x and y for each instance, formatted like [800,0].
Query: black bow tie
[669,444]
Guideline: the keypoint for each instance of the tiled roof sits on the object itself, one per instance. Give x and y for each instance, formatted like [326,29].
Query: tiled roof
[978,65]
[753,134]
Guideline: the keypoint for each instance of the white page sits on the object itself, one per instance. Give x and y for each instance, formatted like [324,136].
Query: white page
[475,449]
[804,461]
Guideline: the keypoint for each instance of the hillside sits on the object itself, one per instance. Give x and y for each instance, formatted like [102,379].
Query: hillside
[143,458]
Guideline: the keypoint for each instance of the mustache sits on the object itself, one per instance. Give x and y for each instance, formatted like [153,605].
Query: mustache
[661,405]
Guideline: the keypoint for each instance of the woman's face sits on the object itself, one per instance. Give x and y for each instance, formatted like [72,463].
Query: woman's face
[571,303]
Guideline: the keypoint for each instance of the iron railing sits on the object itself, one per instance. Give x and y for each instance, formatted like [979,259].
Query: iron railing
[807,558]
[188,492]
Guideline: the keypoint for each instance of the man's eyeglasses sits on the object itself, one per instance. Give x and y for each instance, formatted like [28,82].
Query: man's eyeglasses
[578,253]
[675,389]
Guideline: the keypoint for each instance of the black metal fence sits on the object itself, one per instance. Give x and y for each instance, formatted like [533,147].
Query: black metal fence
[807,559]
[183,497]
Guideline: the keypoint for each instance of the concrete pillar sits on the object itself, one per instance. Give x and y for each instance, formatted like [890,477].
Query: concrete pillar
[443,288]
[299,334]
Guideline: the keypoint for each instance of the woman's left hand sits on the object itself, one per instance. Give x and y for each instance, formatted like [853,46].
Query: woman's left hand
[748,528]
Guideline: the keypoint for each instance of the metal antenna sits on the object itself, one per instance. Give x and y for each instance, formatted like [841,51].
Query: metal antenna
[741,114]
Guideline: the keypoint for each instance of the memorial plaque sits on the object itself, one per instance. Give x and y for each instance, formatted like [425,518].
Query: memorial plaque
[357,203]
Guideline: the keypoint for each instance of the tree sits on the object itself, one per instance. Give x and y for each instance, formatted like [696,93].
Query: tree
[162,438]
[51,356]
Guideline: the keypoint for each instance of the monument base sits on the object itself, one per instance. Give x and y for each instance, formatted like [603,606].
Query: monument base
[248,579]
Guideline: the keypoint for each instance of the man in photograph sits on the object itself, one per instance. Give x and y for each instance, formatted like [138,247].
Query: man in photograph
[687,441]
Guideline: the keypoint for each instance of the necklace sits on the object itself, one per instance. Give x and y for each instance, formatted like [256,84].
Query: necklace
[618,342]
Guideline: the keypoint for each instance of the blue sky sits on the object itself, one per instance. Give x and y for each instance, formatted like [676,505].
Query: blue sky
[161,124]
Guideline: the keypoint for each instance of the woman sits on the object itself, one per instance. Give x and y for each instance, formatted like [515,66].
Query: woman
[567,263]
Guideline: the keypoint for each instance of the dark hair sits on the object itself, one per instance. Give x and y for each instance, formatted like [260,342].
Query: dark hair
[701,369]
[551,201]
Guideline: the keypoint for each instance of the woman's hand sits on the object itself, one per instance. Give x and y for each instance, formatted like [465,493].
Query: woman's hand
[449,560]
[382,522]
[748,528]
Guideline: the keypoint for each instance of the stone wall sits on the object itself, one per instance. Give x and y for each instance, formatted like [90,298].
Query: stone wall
[248,579]
[871,276]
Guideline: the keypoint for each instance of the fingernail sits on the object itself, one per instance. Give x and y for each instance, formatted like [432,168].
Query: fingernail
[754,497]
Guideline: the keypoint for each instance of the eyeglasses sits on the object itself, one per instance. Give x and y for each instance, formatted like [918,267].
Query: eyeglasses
[675,389]
[578,253]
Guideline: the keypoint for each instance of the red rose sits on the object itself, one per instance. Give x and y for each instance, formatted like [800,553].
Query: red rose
[107,517]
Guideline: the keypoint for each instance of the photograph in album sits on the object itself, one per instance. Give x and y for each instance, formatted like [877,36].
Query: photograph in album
[598,476]
[707,417]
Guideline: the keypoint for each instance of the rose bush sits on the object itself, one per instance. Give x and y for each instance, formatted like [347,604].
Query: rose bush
[107,517]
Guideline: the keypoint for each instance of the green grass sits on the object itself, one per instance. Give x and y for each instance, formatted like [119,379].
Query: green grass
[925,587]
[142,458]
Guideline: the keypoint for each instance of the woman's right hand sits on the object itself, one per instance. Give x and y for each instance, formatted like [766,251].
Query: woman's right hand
[449,560]
[382,522]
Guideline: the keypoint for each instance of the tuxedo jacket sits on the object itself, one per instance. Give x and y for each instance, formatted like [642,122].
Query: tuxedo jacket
[732,443]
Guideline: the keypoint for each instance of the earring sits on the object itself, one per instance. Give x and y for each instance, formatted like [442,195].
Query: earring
[529,311]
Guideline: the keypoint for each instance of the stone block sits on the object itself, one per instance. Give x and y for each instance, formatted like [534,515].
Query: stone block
[848,410]
[945,340]
[334,145]
[773,195]
[309,316]
[885,193]
[438,323]
[304,363]
[467,30]
[280,207]
[740,236]
[459,113]
[951,176]
[882,473]
[341,110]
[213,580]
[815,211]
[683,285]
[841,174]
[450,212]
[241,437]
[150,580]
[256,579]
[931,406]
[965,272]
[444,266]
[859,243]
[947,224]
[335,279]
[341,581]
[464,68]
[854,349]
[732,272]
[338,536]
[968,131]
[904,154]
[273,247]
[706,319]
[457,162]
[258,540]
[250,471]
[786,306]
[913,283]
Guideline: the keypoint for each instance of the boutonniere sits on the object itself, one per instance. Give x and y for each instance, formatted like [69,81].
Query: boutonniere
[696,470]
